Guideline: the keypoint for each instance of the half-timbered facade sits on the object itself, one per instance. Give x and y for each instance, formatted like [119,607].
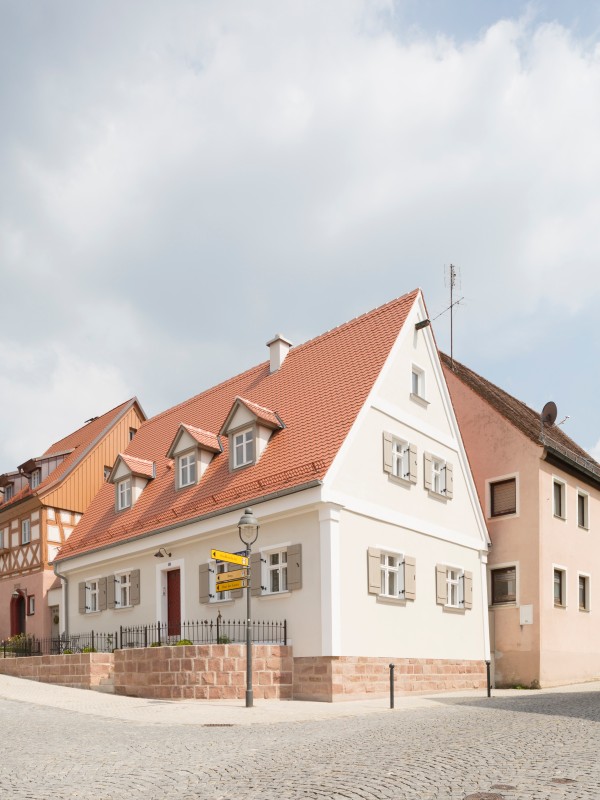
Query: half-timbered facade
[40,504]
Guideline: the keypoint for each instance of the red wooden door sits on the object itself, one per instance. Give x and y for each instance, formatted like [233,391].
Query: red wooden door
[17,615]
[174,602]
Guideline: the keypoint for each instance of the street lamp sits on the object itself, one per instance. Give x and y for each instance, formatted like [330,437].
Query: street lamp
[248,529]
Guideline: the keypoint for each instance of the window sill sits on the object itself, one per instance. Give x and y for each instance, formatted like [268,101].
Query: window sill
[559,605]
[387,600]
[454,609]
[581,528]
[221,602]
[122,608]
[558,516]
[508,515]
[274,595]
[585,610]
[438,496]
[401,481]
[506,604]
[416,398]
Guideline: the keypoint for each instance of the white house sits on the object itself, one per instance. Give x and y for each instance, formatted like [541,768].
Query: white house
[372,545]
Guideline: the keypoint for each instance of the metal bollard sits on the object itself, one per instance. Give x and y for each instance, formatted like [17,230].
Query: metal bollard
[392,685]
[489,679]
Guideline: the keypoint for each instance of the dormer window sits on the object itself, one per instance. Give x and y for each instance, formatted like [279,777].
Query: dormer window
[35,478]
[8,492]
[243,448]
[124,494]
[187,469]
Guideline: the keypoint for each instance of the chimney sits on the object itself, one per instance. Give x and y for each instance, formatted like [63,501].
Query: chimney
[278,350]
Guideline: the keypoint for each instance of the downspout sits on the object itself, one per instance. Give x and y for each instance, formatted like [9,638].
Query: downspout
[65,598]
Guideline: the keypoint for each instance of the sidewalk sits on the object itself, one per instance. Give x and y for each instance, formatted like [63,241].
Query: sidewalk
[230,712]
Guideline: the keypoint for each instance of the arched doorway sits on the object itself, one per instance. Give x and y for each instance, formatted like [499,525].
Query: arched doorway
[17,615]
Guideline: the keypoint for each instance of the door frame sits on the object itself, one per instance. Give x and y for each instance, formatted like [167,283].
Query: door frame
[162,613]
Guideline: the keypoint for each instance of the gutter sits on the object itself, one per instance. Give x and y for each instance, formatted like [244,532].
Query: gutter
[200,518]
[66,596]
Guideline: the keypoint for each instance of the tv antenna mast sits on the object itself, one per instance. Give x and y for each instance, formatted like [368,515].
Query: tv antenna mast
[451,281]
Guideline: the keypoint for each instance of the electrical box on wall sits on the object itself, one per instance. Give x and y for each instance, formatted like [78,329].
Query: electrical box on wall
[526,615]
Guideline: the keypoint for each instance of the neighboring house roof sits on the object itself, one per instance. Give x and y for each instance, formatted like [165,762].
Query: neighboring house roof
[318,392]
[521,416]
[73,447]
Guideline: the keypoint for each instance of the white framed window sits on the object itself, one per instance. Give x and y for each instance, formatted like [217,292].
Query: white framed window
[392,575]
[92,597]
[218,568]
[123,590]
[8,492]
[400,459]
[35,478]
[25,531]
[243,448]
[124,494]
[583,582]
[454,587]
[187,469]
[559,576]
[438,476]
[30,605]
[417,382]
[559,499]
[276,571]
[583,509]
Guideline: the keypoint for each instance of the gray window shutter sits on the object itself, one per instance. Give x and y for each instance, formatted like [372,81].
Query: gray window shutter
[410,578]
[204,583]
[374,570]
[294,567]
[449,480]
[441,587]
[102,594]
[427,471]
[255,574]
[82,597]
[412,463]
[387,452]
[468,589]
[235,593]
[110,591]
[134,592]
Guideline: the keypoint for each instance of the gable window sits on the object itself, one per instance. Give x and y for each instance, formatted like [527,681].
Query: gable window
[187,469]
[438,476]
[124,494]
[582,509]
[107,471]
[454,587]
[560,580]
[584,592]
[558,490]
[35,478]
[418,382]
[503,497]
[399,458]
[243,448]
[132,433]
[25,531]
[504,585]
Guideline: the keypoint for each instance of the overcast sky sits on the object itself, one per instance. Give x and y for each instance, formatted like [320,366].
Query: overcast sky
[182,179]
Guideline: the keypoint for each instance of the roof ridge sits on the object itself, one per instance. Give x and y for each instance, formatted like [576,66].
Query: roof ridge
[49,452]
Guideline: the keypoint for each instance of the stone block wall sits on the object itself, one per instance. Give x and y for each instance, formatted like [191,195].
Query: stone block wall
[203,672]
[331,678]
[80,670]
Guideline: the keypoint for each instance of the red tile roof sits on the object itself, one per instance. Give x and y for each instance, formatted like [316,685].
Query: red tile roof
[76,445]
[138,466]
[318,392]
[210,441]
[517,413]
[260,412]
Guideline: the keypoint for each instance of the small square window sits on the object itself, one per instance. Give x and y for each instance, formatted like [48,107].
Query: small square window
[558,489]
[582,510]
[132,433]
[503,497]
[559,587]
[504,585]
[124,494]
[584,593]
[243,448]
[25,531]
[418,382]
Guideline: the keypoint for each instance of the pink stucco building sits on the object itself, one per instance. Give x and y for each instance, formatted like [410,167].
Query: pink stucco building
[540,494]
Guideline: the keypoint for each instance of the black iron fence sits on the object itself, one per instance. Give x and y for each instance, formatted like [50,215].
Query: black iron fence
[217,631]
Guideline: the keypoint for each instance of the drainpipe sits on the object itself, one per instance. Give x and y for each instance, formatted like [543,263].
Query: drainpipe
[65,598]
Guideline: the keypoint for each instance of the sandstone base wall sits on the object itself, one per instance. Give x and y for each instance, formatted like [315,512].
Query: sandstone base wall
[80,670]
[333,678]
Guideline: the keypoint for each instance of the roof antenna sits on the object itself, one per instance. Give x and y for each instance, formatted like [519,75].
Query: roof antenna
[548,416]
[451,281]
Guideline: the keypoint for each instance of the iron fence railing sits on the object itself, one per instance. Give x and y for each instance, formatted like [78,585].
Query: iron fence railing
[157,634]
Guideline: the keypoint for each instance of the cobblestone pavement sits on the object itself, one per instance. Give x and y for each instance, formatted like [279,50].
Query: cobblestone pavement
[533,746]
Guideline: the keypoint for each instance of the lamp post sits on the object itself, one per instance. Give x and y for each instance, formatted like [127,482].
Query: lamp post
[248,529]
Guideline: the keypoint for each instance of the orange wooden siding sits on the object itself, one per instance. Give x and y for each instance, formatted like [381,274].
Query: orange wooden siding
[77,491]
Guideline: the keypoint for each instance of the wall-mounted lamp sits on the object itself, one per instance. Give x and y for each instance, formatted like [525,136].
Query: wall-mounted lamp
[162,553]
[425,323]
[16,593]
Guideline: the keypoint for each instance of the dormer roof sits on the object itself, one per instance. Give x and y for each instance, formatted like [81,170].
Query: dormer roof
[138,467]
[262,414]
[319,393]
[205,439]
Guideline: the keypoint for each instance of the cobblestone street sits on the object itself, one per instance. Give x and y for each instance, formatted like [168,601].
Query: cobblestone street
[542,745]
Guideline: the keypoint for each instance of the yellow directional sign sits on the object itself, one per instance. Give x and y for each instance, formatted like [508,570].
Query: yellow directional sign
[231,558]
[231,585]
[232,575]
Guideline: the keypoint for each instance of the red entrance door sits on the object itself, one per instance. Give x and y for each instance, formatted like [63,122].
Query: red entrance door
[17,615]
[174,602]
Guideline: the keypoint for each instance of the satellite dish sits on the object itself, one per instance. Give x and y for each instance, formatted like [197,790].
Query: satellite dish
[549,413]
